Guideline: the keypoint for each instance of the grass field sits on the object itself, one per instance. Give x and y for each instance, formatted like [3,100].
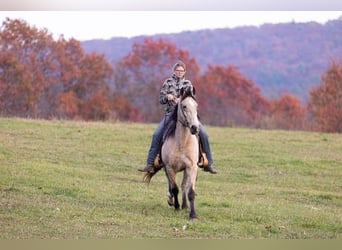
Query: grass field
[79,180]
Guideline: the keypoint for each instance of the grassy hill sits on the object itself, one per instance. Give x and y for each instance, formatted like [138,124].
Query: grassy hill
[76,180]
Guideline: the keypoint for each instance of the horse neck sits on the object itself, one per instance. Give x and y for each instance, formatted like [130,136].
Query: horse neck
[182,134]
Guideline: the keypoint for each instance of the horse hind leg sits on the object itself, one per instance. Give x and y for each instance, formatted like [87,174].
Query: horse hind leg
[184,196]
[184,201]
[172,197]
[190,190]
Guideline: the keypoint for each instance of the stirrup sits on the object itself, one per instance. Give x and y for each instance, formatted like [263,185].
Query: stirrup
[203,162]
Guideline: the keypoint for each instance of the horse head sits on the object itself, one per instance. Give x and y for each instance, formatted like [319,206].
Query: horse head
[187,109]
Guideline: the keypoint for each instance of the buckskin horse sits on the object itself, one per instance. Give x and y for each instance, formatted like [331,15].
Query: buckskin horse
[180,151]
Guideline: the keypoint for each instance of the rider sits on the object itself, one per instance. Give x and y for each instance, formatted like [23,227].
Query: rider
[169,95]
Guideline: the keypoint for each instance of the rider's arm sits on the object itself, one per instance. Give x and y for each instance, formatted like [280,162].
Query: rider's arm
[164,92]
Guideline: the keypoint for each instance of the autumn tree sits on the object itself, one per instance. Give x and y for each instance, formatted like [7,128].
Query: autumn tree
[41,77]
[226,97]
[287,112]
[325,102]
[78,76]
[140,74]
[25,67]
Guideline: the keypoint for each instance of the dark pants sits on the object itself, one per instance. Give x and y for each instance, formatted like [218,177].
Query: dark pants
[157,141]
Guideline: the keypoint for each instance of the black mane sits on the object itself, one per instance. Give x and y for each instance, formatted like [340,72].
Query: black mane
[170,126]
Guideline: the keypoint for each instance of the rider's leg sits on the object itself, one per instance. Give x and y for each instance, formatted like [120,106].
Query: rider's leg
[155,146]
[204,140]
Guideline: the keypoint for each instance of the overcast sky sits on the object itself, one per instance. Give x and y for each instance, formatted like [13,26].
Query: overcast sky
[85,25]
[320,5]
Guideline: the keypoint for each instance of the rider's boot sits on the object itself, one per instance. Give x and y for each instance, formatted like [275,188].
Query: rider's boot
[148,168]
[153,168]
[209,168]
[204,163]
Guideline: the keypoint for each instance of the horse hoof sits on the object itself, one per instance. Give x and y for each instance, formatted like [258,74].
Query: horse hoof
[193,216]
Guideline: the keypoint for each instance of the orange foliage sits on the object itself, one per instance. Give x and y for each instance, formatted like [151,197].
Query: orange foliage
[43,78]
[96,107]
[325,104]
[124,110]
[287,113]
[24,63]
[228,98]
[67,105]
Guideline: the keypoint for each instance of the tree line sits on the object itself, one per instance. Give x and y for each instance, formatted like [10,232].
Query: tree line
[276,57]
[41,77]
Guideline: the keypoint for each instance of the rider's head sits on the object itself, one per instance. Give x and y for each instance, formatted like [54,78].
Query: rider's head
[179,69]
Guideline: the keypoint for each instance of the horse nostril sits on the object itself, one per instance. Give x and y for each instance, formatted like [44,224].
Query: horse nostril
[193,130]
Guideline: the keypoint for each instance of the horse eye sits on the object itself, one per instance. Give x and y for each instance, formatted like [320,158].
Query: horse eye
[184,107]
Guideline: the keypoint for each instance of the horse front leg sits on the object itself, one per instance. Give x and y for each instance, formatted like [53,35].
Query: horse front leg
[172,196]
[191,192]
[184,190]
[191,197]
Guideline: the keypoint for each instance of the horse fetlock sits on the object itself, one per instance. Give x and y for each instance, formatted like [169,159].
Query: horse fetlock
[184,206]
[193,216]
[170,200]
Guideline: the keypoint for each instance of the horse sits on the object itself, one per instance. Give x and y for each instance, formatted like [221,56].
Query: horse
[180,151]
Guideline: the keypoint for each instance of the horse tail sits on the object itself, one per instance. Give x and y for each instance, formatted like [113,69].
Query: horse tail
[148,175]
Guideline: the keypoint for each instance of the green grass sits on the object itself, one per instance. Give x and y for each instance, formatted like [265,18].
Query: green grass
[79,180]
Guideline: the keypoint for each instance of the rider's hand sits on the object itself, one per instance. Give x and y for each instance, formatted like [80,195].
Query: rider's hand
[172,98]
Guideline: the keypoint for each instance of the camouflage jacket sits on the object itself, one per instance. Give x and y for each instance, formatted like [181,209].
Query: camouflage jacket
[172,85]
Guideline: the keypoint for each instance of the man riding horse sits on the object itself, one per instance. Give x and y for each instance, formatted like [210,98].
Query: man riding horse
[169,95]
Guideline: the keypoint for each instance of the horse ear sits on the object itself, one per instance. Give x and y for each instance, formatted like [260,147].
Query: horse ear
[193,91]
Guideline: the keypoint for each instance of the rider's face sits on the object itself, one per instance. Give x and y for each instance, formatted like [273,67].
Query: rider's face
[179,72]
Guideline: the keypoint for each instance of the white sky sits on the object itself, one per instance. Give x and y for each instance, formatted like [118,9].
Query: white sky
[85,25]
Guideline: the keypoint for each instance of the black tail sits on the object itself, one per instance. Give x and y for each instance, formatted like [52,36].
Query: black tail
[148,175]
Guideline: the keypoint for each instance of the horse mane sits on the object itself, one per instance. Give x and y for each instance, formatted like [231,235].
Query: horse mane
[170,126]
[188,91]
